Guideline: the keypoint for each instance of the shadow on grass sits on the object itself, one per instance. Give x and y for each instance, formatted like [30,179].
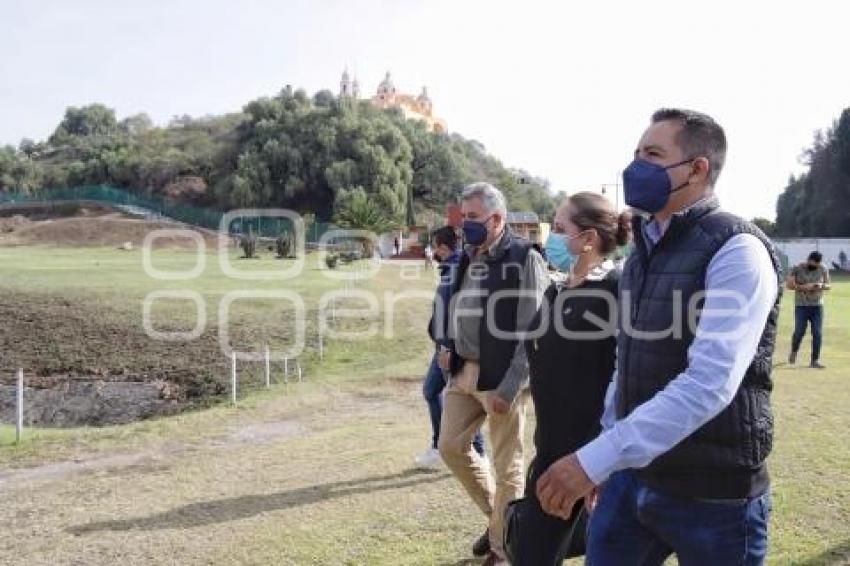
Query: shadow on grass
[838,554]
[235,508]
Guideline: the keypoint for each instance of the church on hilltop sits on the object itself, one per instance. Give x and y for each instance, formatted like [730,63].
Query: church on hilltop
[413,107]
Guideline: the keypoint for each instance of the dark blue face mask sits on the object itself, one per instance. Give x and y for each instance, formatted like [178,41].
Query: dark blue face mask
[647,186]
[475,231]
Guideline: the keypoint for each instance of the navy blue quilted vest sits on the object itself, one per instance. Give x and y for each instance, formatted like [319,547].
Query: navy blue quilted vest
[725,457]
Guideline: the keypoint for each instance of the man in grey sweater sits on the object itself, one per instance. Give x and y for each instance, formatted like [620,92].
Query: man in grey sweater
[501,281]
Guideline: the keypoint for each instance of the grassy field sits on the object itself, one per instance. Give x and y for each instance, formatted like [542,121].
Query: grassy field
[311,473]
[88,301]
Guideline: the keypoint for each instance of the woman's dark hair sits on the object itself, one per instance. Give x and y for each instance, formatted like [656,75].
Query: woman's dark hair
[445,236]
[592,211]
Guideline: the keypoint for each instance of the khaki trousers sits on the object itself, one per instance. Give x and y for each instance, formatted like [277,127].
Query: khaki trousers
[464,411]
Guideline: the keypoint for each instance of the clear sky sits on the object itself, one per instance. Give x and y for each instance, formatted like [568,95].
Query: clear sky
[563,89]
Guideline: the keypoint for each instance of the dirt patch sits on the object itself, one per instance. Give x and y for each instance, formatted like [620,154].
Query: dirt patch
[252,434]
[112,230]
[62,470]
[265,432]
[57,340]
[90,224]
[13,223]
[89,402]
[56,209]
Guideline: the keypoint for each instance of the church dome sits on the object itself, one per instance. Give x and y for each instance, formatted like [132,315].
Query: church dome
[386,85]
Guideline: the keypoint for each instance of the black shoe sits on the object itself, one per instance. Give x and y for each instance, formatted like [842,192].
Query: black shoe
[482,545]
[792,359]
[817,365]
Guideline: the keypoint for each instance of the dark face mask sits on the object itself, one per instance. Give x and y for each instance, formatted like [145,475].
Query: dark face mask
[475,231]
[812,267]
[647,186]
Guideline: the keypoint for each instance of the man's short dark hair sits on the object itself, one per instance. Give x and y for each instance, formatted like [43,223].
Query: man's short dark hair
[817,257]
[445,236]
[700,136]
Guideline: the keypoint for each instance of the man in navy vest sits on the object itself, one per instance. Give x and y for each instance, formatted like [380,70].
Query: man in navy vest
[498,290]
[680,463]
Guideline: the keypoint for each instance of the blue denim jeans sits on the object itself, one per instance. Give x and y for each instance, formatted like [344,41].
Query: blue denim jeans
[434,384]
[802,316]
[636,525]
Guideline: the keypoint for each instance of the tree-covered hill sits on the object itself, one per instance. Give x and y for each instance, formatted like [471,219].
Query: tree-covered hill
[289,150]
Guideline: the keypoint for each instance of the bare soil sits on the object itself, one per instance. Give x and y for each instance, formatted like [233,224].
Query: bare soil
[88,224]
[56,339]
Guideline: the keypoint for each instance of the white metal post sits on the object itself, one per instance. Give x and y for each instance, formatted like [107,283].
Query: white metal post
[19,421]
[233,377]
[268,368]
[321,347]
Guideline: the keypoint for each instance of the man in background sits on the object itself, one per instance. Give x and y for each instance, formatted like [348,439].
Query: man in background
[446,253]
[808,280]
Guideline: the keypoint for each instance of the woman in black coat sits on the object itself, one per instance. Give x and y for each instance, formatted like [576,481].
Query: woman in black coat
[571,365]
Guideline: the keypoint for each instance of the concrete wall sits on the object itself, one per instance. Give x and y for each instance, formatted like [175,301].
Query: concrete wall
[796,250]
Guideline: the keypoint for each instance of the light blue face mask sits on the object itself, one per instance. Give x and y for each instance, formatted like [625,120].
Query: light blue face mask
[558,252]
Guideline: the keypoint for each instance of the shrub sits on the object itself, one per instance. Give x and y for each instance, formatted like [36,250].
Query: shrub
[248,243]
[284,246]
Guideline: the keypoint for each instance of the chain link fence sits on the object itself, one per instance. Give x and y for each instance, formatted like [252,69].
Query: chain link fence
[161,208]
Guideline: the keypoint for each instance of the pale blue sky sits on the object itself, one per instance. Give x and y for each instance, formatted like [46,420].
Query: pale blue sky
[561,88]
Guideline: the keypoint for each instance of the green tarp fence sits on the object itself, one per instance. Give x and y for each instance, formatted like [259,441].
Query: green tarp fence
[156,206]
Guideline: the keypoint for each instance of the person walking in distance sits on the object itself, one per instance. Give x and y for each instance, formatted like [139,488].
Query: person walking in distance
[808,280]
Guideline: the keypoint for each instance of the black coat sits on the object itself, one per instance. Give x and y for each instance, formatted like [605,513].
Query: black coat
[569,376]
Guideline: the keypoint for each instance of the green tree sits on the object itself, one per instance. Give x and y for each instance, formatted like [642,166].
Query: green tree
[766,226]
[136,124]
[8,166]
[91,120]
[288,150]
[358,210]
[817,203]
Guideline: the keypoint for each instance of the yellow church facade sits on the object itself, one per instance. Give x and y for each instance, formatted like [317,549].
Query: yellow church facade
[412,107]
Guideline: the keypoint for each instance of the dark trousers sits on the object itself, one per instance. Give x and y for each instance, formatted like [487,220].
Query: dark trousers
[803,315]
[540,539]
[636,525]
[432,388]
